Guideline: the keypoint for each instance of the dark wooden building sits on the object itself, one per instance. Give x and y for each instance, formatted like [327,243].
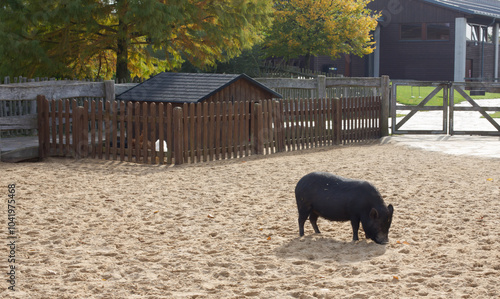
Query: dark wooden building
[448,40]
[180,88]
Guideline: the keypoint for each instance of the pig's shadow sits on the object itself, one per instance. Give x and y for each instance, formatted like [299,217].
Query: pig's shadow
[318,247]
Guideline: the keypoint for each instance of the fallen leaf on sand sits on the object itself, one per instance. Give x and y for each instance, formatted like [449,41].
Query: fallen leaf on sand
[489,180]
[269,238]
[395,277]
[210,216]
[156,212]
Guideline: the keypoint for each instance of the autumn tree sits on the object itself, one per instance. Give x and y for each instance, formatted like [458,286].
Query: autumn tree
[321,27]
[128,37]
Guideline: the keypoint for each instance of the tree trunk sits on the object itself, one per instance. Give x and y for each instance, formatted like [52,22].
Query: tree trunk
[122,73]
[307,61]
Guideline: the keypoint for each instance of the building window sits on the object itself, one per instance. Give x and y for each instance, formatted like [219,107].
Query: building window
[479,33]
[438,31]
[425,31]
[411,32]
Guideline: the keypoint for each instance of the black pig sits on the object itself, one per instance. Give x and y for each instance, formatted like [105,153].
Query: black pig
[339,199]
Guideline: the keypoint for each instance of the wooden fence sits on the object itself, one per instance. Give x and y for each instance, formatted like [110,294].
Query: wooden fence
[323,87]
[18,107]
[136,132]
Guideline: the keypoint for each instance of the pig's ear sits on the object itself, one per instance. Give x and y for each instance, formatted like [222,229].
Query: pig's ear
[374,213]
[391,209]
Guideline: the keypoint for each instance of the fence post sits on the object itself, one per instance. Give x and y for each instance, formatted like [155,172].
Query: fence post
[43,126]
[178,136]
[109,93]
[321,86]
[258,130]
[109,90]
[78,134]
[384,113]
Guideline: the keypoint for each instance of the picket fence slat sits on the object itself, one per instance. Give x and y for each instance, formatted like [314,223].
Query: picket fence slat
[224,126]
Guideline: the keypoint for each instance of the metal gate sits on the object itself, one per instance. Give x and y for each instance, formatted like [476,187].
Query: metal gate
[454,110]
[450,111]
[422,106]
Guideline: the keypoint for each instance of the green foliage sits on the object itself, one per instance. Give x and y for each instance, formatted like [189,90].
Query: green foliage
[248,63]
[90,38]
[321,27]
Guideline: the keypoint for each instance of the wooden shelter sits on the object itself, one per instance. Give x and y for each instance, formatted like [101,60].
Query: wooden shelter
[180,88]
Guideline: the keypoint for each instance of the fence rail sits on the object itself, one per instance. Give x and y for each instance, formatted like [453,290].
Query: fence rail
[138,132]
[18,105]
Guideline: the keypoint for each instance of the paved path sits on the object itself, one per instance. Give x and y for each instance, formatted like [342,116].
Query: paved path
[483,146]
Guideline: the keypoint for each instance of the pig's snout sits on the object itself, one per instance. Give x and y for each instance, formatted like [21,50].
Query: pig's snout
[381,239]
[382,242]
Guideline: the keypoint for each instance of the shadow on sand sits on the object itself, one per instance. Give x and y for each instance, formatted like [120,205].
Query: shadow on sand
[317,247]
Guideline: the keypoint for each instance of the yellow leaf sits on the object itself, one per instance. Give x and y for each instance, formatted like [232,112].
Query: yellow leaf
[269,238]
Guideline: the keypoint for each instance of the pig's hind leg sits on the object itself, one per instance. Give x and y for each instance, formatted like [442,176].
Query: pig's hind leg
[302,220]
[304,213]
[355,229]
[303,216]
[313,217]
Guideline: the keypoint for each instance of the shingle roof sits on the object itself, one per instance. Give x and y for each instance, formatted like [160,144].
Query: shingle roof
[485,8]
[184,87]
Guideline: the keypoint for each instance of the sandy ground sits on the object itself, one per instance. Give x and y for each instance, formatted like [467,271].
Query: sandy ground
[228,229]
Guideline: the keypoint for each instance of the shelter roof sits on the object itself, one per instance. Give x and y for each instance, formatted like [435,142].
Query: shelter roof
[185,87]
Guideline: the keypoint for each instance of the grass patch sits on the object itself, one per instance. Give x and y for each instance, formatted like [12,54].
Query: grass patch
[408,95]
[494,115]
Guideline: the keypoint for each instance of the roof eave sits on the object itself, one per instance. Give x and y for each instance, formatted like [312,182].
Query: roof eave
[464,10]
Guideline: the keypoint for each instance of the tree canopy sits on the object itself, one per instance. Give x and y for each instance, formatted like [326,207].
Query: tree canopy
[321,27]
[98,38]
